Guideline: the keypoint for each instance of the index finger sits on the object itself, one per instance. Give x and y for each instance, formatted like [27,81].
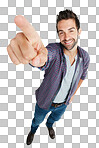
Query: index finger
[27,29]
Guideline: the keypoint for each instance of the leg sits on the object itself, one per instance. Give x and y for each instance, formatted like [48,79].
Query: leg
[55,115]
[39,116]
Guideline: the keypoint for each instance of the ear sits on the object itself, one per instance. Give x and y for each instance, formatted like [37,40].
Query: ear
[79,32]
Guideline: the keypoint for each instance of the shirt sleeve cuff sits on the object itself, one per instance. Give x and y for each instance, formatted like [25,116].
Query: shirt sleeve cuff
[83,77]
[47,63]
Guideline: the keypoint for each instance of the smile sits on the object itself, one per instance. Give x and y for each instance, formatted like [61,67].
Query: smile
[69,42]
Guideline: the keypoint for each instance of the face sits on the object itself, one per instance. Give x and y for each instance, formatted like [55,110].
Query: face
[68,33]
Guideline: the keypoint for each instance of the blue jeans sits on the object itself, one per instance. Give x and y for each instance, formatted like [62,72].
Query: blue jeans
[40,114]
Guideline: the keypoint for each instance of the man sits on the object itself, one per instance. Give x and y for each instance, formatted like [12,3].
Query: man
[65,65]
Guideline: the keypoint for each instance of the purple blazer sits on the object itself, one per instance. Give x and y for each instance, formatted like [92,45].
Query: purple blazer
[55,69]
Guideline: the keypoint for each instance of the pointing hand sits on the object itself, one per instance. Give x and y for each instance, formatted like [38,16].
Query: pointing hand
[27,46]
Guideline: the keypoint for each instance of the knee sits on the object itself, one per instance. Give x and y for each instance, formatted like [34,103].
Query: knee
[56,117]
[37,121]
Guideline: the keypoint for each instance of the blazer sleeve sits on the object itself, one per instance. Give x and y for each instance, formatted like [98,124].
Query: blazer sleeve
[86,65]
[51,56]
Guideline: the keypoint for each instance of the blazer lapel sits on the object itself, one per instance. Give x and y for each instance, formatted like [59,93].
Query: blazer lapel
[78,71]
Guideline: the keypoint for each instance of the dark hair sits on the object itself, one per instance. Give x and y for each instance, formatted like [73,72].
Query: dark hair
[65,15]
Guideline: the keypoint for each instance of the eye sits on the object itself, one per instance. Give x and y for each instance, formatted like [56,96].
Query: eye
[71,31]
[61,33]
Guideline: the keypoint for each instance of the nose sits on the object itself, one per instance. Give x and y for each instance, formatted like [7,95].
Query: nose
[66,36]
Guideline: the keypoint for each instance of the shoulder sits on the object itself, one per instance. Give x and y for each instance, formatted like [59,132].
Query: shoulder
[84,54]
[55,46]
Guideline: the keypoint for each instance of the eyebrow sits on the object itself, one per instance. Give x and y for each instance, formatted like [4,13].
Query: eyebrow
[71,28]
[60,30]
[68,29]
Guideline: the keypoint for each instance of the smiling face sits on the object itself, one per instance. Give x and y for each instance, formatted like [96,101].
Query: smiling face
[68,33]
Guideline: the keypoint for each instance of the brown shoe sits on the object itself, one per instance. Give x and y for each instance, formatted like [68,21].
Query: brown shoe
[51,132]
[30,138]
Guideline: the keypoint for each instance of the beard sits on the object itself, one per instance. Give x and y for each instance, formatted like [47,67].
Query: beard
[71,46]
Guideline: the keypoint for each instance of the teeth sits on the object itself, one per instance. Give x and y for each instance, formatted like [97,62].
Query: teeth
[68,42]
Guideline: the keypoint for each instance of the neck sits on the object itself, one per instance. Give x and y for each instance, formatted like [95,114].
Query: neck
[71,53]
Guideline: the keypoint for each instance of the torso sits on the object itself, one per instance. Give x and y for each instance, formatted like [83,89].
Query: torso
[72,60]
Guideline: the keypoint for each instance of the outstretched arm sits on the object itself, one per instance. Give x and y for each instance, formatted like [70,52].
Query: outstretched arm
[27,46]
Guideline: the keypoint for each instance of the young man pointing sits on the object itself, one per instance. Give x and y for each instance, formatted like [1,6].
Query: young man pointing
[65,65]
